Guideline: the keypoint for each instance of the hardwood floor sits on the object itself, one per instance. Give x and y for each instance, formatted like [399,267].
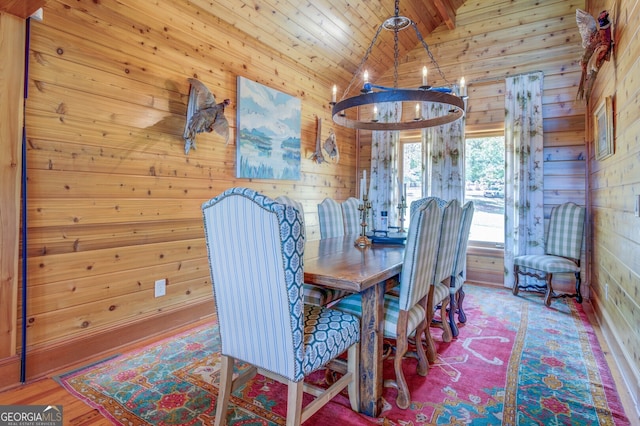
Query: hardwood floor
[46,391]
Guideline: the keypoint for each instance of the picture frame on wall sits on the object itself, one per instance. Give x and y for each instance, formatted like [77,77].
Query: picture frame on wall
[268,133]
[603,129]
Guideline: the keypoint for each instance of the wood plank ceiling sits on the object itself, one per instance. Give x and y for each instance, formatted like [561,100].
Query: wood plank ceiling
[331,37]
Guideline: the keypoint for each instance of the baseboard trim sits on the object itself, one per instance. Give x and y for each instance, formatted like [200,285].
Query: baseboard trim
[628,377]
[42,361]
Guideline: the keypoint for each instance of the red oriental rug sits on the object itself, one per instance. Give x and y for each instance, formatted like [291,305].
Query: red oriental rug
[514,362]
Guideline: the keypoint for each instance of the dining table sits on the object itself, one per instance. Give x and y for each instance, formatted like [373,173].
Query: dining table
[371,270]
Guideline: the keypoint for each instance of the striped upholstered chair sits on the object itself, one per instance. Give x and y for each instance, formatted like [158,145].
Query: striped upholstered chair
[351,216]
[439,293]
[562,253]
[313,295]
[256,251]
[405,315]
[459,273]
[330,218]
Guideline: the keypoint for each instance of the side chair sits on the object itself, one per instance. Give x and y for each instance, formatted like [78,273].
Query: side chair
[406,315]
[330,218]
[313,295]
[351,216]
[440,292]
[256,250]
[459,274]
[563,245]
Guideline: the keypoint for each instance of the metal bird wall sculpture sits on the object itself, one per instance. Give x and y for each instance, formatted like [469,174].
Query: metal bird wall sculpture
[331,147]
[203,115]
[597,44]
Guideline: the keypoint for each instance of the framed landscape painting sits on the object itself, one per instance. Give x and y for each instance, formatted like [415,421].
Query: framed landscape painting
[603,129]
[268,133]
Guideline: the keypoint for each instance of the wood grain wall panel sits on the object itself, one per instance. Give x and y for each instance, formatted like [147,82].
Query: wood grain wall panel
[114,203]
[11,111]
[614,186]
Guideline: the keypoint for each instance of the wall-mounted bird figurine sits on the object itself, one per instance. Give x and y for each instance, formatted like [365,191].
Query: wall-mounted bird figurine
[331,147]
[317,155]
[203,115]
[597,44]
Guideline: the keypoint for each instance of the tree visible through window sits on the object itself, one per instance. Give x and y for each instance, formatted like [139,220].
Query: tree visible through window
[484,185]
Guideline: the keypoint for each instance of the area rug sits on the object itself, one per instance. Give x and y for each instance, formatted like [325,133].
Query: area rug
[515,361]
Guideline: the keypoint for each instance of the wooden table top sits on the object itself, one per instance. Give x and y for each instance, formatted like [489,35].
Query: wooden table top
[339,263]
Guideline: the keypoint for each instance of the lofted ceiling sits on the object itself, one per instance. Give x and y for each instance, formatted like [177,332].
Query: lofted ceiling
[331,37]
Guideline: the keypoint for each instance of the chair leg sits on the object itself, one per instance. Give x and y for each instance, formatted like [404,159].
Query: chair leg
[403,398]
[224,392]
[549,293]
[516,277]
[428,339]
[447,334]
[452,311]
[353,367]
[294,403]
[423,363]
[462,317]
[578,281]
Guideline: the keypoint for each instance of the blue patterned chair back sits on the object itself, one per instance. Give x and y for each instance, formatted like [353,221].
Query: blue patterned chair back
[420,252]
[415,205]
[285,199]
[330,218]
[258,299]
[451,219]
[463,240]
[566,228]
[351,216]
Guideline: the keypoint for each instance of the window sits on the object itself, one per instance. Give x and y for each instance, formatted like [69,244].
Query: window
[411,172]
[484,185]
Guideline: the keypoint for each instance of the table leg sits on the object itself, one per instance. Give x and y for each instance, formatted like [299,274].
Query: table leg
[371,340]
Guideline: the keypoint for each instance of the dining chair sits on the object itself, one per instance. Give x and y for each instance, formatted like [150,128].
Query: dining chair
[405,315]
[255,248]
[459,273]
[330,218]
[313,295]
[563,245]
[351,216]
[439,293]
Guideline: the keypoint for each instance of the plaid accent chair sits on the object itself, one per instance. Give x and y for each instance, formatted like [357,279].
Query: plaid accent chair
[330,218]
[351,216]
[405,315]
[256,251]
[459,274]
[313,295]
[562,253]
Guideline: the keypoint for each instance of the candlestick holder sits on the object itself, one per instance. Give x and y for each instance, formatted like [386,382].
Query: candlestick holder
[362,240]
[402,208]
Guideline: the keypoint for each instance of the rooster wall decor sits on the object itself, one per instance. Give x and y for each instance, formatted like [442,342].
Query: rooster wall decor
[203,115]
[597,44]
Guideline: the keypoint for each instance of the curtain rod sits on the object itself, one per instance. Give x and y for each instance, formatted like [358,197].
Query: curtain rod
[499,78]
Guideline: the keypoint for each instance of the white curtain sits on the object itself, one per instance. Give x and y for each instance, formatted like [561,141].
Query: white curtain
[383,189]
[443,155]
[524,200]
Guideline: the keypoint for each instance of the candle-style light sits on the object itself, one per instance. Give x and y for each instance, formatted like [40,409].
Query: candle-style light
[463,87]
[375,113]
[424,76]
[334,92]
[366,77]
[417,110]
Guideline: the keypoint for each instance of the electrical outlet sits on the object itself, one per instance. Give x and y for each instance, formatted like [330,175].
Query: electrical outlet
[606,291]
[161,287]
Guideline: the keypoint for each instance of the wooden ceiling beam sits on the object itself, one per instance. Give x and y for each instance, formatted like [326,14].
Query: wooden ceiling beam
[447,12]
[21,8]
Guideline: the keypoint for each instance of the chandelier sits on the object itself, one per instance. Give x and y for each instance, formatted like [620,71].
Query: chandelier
[372,94]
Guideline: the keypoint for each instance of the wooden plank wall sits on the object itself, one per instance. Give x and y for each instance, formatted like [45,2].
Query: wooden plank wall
[493,39]
[614,188]
[114,203]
